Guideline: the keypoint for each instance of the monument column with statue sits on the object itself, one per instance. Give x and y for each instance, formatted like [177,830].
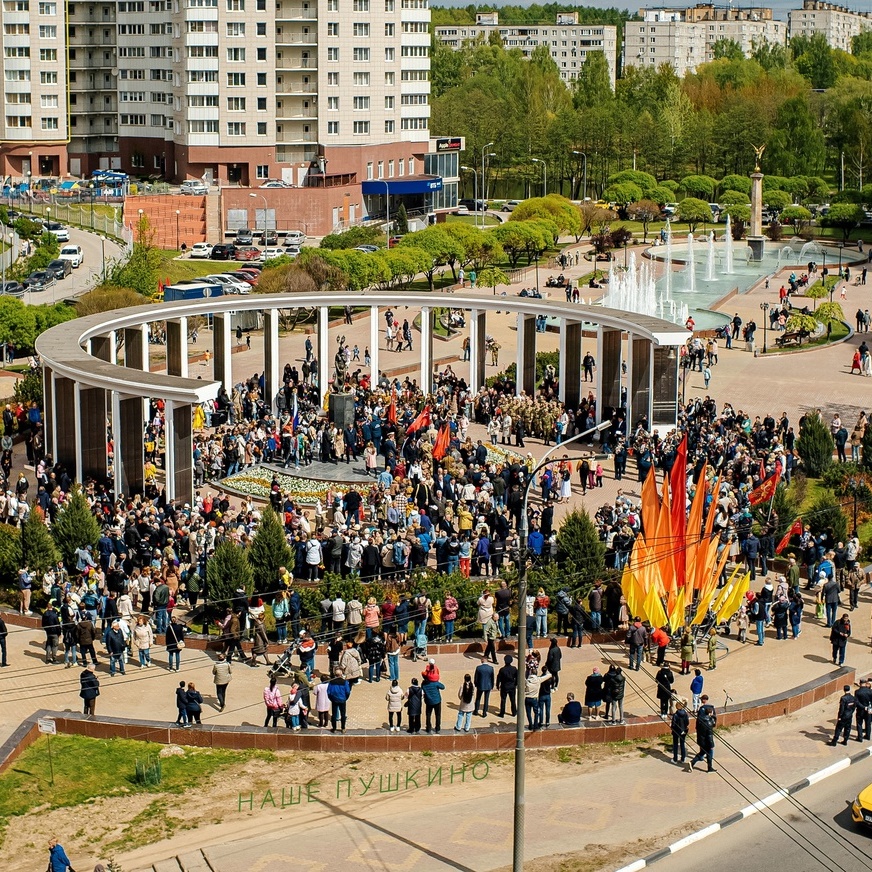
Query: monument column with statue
[756,239]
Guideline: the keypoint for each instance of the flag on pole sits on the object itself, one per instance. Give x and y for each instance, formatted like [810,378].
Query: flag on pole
[678,506]
[765,491]
[443,439]
[295,421]
[795,530]
[734,602]
[392,408]
[423,420]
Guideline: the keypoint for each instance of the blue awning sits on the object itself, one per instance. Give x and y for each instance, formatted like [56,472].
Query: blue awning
[407,185]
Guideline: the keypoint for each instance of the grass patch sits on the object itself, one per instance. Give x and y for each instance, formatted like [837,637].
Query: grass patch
[172,271]
[840,331]
[489,220]
[85,769]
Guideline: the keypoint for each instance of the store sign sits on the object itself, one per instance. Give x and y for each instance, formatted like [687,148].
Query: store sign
[455,143]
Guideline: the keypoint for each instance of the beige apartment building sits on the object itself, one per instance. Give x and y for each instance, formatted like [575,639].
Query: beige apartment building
[568,41]
[838,23]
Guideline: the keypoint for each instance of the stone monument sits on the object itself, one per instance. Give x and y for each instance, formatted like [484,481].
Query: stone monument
[756,240]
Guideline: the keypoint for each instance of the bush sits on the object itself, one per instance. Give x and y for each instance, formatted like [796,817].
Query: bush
[815,446]
[38,551]
[74,527]
[774,232]
[269,550]
[29,389]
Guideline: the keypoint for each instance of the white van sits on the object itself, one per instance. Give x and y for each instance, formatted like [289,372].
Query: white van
[72,253]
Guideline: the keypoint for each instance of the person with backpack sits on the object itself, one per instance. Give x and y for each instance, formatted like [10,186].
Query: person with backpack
[706,721]
[680,726]
[845,717]
[464,714]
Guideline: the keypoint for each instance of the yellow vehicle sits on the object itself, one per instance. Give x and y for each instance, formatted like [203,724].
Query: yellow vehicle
[861,807]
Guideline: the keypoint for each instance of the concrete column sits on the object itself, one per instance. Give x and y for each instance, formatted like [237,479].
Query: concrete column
[177,347]
[49,417]
[325,357]
[374,325]
[426,349]
[569,386]
[90,421]
[179,452]
[664,389]
[608,362]
[477,350]
[136,347]
[103,347]
[638,380]
[128,421]
[271,373]
[526,355]
[65,409]
[222,350]
[756,224]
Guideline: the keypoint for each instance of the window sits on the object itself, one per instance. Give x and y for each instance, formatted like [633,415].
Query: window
[390,169]
[203,126]
[160,29]
[137,161]
[136,28]
[48,8]
[389,5]
[19,121]
[390,78]
[415,124]
[131,96]
[360,5]
[202,75]
[332,28]
[332,128]
[415,99]
[416,27]
[261,28]
[389,30]
[402,166]
[361,54]
[48,54]
[261,128]
[332,78]
[131,51]
[261,104]
[369,171]
[48,31]
[415,51]
[236,128]
[411,166]
[333,54]
[236,80]
[133,120]
[24,76]
[46,78]
[332,104]
[16,51]
[261,80]
[361,102]
[332,5]
[202,51]
[261,54]
[235,5]
[361,79]
[17,98]
[415,75]
[235,55]
[389,102]
[260,5]
[361,29]
[390,54]
[381,169]
[16,29]
[361,127]
[236,104]
[158,120]
[235,28]
[199,100]
[192,4]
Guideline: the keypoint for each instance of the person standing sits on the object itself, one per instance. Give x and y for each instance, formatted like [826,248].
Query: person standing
[614,686]
[143,636]
[117,647]
[58,861]
[433,703]
[507,685]
[89,689]
[86,633]
[222,674]
[465,709]
[863,700]
[233,636]
[51,623]
[706,721]
[194,703]
[680,727]
[665,679]
[414,703]
[845,717]
[713,648]
[3,634]
[272,697]
[696,689]
[839,635]
[553,663]
[593,692]
[182,705]
[175,641]
[484,684]
[338,691]
[395,698]
[531,700]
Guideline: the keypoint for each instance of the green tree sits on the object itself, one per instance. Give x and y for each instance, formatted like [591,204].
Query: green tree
[844,217]
[866,450]
[815,446]
[734,182]
[268,551]
[734,198]
[694,211]
[580,549]
[825,515]
[727,48]
[353,237]
[402,220]
[140,272]
[702,187]
[777,200]
[226,570]
[622,194]
[814,59]
[643,211]
[74,527]
[11,559]
[491,277]
[38,551]
[593,85]
[798,216]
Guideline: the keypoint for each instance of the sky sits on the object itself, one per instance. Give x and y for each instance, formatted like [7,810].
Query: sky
[780,7]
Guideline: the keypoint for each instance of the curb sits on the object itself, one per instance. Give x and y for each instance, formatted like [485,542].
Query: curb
[747,811]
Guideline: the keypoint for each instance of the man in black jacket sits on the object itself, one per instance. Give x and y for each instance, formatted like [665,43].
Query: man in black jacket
[845,717]
[863,700]
[484,684]
[51,623]
[706,721]
[507,685]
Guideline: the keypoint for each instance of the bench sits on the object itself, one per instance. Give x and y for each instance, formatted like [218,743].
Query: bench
[792,336]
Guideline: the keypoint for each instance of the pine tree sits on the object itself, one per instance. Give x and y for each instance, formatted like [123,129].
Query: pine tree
[401,223]
[580,548]
[38,550]
[866,447]
[75,527]
[226,570]
[269,550]
[815,446]
[10,553]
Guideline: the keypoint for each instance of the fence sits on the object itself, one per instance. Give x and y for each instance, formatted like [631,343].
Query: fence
[81,215]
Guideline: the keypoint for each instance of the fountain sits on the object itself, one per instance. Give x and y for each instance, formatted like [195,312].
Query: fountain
[710,259]
[634,290]
[728,247]
[690,269]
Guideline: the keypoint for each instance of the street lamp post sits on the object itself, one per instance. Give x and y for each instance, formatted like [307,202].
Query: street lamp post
[841,246]
[765,307]
[475,183]
[484,149]
[91,190]
[584,183]
[264,212]
[544,175]
[520,774]
[178,219]
[387,205]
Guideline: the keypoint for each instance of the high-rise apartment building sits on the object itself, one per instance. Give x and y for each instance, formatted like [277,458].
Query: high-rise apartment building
[568,42]
[838,23]
[684,38]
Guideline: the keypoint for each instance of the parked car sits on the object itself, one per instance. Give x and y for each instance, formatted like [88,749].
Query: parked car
[511,205]
[194,186]
[201,249]
[72,253]
[461,210]
[369,249]
[59,268]
[269,237]
[716,212]
[474,205]
[39,280]
[232,285]
[272,251]
[295,237]
[275,183]
[247,252]
[61,233]
[244,236]
[292,250]
[245,276]
[14,289]
[394,240]
[669,209]
[223,251]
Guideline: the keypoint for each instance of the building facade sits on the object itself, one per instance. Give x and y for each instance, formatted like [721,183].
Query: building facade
[685,38]
[568,41]
[837,23]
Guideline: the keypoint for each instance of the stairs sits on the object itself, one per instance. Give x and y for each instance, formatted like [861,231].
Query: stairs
[213,218]
[170,230]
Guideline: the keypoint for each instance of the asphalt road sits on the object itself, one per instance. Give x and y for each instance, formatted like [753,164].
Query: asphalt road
[86,276]
[759,843]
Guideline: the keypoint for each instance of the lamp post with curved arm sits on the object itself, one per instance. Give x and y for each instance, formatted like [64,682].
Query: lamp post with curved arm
[544,175]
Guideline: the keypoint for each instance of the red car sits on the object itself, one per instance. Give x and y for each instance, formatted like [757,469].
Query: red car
[245,276]
[247,252]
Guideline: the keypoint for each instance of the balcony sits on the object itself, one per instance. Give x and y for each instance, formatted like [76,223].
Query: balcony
[296,12]
[295,36]
[291,60]
[296,86]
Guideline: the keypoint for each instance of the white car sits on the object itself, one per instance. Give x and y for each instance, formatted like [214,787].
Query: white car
[272,251]
[295,237]
[511,205]
[193,186]
[275,183]
[232,285]
[201,249]
[72,253]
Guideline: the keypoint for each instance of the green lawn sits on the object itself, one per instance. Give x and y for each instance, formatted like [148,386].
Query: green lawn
[489,220]
[172,270]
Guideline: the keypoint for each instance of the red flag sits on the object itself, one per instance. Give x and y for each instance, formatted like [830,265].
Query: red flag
[795,530]
[392,408]
[678,506]
[440,448]
[762,474]
[423,420]
[766,489]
